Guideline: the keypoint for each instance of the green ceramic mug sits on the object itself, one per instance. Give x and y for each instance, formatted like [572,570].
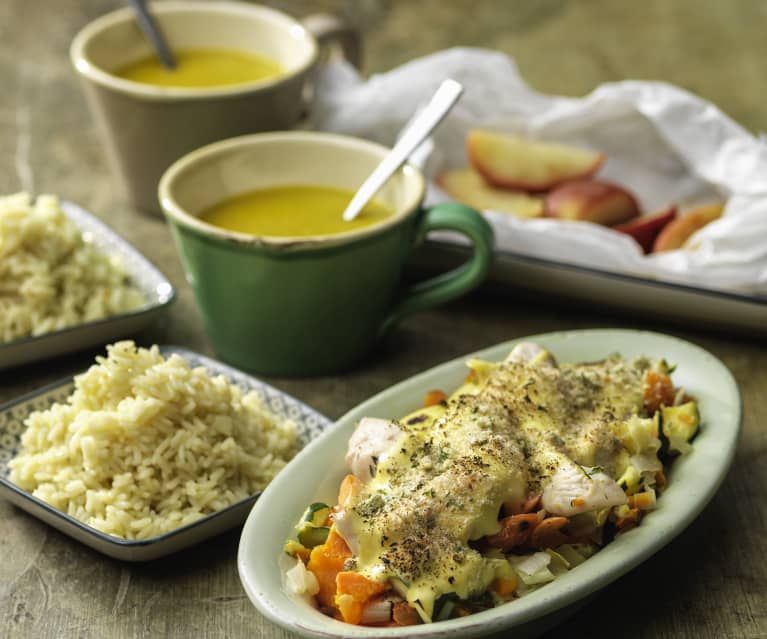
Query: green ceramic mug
[307,306]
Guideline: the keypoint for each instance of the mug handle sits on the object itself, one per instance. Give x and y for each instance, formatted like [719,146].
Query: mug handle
[449,216]
[329,29]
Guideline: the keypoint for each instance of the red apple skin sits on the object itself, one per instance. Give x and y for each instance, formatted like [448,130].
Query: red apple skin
[516,173]
[676,233]
[646,228]
[504,182]
[591,201]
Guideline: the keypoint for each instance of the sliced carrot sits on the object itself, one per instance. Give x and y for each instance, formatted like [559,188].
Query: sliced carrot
[629,520]
[658,391]
[353,590]
[326,561]
[302,553]
[434,397]
[642,501]
[296,549]
[350,487]
[505,586]
[515,531]
[531,503]
[358,585]
[405,615]
[548,534]
[660,479]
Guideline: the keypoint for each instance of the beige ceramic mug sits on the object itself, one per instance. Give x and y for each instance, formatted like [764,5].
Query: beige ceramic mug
[147,127]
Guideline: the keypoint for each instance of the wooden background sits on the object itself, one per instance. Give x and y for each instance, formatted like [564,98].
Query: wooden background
[711,582]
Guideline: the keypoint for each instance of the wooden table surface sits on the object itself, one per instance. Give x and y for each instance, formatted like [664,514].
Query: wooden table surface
[711,582]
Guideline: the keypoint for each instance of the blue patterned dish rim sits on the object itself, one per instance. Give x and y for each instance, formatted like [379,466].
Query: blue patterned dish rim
[309,424]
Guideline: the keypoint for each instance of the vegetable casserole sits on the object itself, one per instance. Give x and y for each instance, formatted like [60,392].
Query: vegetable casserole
[478,498]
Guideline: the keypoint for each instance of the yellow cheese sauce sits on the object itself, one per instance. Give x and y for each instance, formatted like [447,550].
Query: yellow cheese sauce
[445,481]
[293,211]
[199,68]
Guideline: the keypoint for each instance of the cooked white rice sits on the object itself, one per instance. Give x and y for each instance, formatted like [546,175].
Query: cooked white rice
[146,444]
[50,277]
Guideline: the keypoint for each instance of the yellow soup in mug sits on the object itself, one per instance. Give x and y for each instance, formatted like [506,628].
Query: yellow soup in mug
[293,211]
[197,68]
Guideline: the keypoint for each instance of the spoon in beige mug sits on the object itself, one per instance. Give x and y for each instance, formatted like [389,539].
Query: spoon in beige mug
[421,127]
[153,33]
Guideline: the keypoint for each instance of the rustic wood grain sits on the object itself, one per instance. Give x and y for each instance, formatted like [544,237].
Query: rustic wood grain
[709,583]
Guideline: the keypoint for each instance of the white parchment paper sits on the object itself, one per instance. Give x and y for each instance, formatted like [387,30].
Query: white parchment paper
[665,144]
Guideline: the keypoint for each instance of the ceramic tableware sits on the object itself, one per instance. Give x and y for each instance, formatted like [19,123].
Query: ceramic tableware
[147,127]
[309,424]
[693,480]
[155,287]
[307,305]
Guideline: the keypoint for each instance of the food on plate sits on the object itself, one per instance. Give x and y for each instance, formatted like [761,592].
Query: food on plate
[52,277]
[203,68]
[294,210]
[146,444]
[511,161]
[476,499]
[511,174]
[646,228]
[468,186]
[591,201]
[676,233]
[529,178]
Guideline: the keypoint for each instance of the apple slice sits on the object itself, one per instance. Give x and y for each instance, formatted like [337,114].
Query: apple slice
[513,162]
[646,228]
[591,201]
[467,186]
[676,233]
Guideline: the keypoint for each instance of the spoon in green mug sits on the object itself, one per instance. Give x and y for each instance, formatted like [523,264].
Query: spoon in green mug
[421,127]
[153,33]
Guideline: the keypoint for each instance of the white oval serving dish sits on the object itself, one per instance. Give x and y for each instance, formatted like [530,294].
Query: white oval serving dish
[315,474]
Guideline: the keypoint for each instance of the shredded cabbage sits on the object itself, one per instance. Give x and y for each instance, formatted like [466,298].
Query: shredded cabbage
[533,569]
[300,581]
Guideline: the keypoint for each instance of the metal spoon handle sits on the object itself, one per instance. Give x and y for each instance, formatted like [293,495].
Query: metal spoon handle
[153,33]
[441,102]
